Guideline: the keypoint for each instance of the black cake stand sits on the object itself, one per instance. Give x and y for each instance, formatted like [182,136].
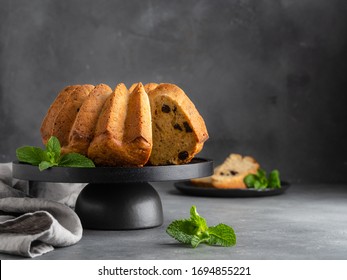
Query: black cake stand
[117,198]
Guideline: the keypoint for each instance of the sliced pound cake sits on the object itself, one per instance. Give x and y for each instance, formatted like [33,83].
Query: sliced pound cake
[178,129]
[230,174]
[234,169]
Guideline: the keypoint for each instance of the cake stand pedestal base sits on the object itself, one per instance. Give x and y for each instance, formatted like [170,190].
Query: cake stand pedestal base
[119,206]
[117,198]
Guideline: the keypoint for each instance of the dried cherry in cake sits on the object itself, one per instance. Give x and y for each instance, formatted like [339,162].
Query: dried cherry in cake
[183,155]
[177,126]
[187,127]
[165,108]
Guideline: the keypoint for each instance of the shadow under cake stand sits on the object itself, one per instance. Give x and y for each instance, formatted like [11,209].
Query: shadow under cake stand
[117,198]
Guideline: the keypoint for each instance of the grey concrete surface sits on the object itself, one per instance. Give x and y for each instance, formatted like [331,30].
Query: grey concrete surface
[307,222]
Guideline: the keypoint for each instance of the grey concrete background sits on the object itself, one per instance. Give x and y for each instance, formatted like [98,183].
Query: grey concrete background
[267,76]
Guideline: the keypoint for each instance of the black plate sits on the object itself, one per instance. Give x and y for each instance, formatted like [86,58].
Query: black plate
[198,167]
[189,188]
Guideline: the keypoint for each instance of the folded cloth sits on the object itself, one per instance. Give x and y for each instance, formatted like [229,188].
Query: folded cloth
[10,186]
[41,224]
[33,226]
[64,193]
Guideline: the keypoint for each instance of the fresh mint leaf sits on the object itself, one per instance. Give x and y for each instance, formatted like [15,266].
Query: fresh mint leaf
[274,179]
[188,230]
[261,173]
[75,160]
[51,156]
[200,222]
[260,181]
[250,180]
[53,149]
[196,240]
[256,184]
[46,164]
[222,235]
[195,231]
[29,154]
[182,231]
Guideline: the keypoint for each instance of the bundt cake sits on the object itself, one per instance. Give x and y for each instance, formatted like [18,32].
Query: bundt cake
[179,131]
[153,124]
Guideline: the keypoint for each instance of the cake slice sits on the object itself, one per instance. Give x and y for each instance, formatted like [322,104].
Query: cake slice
[203,182]
[230,174]
[83,128]
[123,131]
[53,111]
[234,169]
[178,129]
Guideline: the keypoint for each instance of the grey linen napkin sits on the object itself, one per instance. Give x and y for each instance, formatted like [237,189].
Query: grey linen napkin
[33,226]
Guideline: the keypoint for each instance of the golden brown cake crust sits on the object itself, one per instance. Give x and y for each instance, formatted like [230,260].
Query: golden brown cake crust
[82,131]
[68,112]
[150,86]
[123,132]
[179,131]
[203,182]
[132,87]
[53,111]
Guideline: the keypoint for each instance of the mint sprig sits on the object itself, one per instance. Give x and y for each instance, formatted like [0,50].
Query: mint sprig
[195,230]
[260,181]
[51,156]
